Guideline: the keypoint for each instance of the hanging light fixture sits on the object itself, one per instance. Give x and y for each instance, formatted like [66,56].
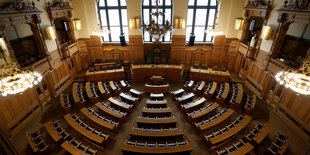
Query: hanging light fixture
[100,31]
[214,32]
[155,29]
[298,81]
[13,80]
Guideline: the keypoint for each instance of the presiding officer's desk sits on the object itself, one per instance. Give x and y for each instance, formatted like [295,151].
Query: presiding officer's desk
[168,72]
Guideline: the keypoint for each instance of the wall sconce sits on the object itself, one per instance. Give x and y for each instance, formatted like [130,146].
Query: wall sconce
[77,25]
[239,24]
[134,23]
[179,23]
[266,32]
[51,34]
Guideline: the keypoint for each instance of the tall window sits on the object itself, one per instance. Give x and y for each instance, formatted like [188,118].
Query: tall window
[149,6]
[201,15]
[113,16]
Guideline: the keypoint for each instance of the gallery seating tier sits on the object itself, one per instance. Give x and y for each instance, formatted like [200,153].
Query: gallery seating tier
[156,88]
[228,131]
[200,113]
[84,129]
[65,102]
[208,94]
[106,110]
[135,147]
[214,120]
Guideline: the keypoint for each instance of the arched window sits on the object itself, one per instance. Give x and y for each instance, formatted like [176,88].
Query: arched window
[113,16]
[201,15]
[149,6]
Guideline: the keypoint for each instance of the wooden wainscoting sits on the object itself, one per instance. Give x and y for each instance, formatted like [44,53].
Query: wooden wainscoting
[256,78]
[17,110]
[294,108]
[177,50]
[136,48]
[58,79]
[221,53]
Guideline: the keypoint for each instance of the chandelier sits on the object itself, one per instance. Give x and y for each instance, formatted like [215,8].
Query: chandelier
[155,29]
[214,32]
[100,31]
[298,81]
[13,80]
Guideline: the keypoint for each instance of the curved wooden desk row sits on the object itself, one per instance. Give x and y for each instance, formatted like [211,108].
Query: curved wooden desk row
[57,132]
[159,148]
[36,142]
[105,75]
[188,85]
[91,92]
[228,131]
[113,85]
[155,133]
[145,72]
[280,143]
[250,104]
[196,104]
[223,93]
[136,93]
[241,147]
[237,96]
[156,104]
[85,130]
[156,112]
[100,120]
[125,85]
[151,122]
[111,112]
[258,133]
[156,88]
[199,87]
[77,93]
[120,105]
[214,120]
[177,93]
[129,99]
[209,74]
[185,98]
[104,90]
[208,94]
[198,114]
[77,148]
[65,102]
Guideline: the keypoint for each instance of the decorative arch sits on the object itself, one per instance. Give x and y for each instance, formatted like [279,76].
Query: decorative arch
[18,12]
[296,12]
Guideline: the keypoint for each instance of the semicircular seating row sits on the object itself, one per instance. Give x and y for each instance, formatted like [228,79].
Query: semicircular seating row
[192,100]
[106,119]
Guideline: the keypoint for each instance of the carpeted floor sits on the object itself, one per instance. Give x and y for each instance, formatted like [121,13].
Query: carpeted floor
[53,111]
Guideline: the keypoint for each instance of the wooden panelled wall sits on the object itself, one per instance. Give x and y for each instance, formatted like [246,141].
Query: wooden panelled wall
[259,76]
[221,53]
[17,110]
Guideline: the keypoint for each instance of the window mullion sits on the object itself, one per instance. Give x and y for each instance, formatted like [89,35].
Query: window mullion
[207,22]
[120,16]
